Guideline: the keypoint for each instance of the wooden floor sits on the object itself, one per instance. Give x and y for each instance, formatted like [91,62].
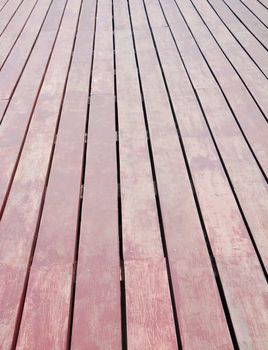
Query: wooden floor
[133,174]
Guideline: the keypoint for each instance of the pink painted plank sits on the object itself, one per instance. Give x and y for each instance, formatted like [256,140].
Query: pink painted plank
[249,20]
[43,326]
[141,234]
[253,78]
[28,187]
[141,237]
[12,32]
[246,111]
[20,108]
[254,48]
[149,315]
[251,188]
[7,13]
[196,295]
[12,68]
[257,9]
[97,309]
[3,104]
[226,231]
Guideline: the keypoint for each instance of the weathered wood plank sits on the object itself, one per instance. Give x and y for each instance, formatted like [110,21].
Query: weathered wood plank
[149,315]
[226,230]
[249,20]
[8,12]
[251,189]
[253,47]
[12,132]
[42,325]
[97,309]
[196,296]
[25,198]
[249,117]
[13,31]
[13,67]
[141,234]
[239,59]
[257,9]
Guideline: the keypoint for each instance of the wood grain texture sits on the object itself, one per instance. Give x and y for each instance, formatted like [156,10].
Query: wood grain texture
[9,37]
[97,309]
[21,106]
[229,238]
[240,60]
[141,233]
[12,69]
[8,12]
[97,316]
[149,312]
[26,195]
[247,40]
[57,236]
[196,295]
[249,21]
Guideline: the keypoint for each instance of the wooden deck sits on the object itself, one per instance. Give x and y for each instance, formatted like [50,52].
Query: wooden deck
[133,174]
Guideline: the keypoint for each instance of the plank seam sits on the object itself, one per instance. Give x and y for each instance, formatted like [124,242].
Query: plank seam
[228,59]
[25,287]
[218,152]
[204,230]
[160,220]
[32,111]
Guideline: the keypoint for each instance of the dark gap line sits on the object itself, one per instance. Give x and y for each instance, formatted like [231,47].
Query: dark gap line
[226,99]
[26,281]
[249,91]
[161,224]
[229,105]
[4,5]
[221,159]
[262,4]
[237,40]
[219,154]
[120,231]
[26,61]
[28,17]
[80,204]
[240,20]
[202,222]
[32,112]
[10,19]
[254,14]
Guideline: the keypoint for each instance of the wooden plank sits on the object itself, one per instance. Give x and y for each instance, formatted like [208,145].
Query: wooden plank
[140,227]
[249,21]
[13,67]
[20,108]
[251,189]
[10,36]
[25,198]
[185,242]
[257,9]
[149,319]
[249,117]
[3,104]
[53,258]
[97,313]
[246,39]
[228,236]
[8,12]
[141,234]
[238,58]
